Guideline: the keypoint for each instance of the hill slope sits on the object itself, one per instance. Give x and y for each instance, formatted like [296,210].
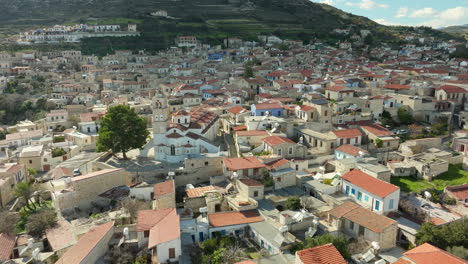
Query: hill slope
[210,20]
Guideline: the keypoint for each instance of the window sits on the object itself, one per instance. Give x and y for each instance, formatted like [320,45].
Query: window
[206,163]
[351,225]
[278,179]
[361,230]
[279,152]
[255,194]
[172,150]
[30,161]
[45,160]
[359,196]
[347,190]
[172,253]
[366,198]
[377,205]
[290,150]
[146,233]
[353,191]
[390,205]
[297,167]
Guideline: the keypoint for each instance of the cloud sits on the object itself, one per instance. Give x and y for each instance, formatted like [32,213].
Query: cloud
[388,23]
[402,12]
[425,12]
[367,4]
[328,2]
[449,17]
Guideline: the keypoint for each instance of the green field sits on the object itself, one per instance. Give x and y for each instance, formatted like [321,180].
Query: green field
[454,176]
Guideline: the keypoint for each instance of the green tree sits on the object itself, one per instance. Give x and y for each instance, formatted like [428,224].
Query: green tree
[25,190]
[379,143]
[405,116]
[293,203]
[451,235]
[459,251]
[248,72]
[8,220]
[122,130]
[57,152]
[39,222]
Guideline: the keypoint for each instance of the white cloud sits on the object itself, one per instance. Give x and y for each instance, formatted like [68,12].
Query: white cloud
[402,12]
[388,23]
[367,4]
[425,12]
[328,2]
[449,17]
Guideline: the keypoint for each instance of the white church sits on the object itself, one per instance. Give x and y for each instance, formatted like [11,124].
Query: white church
[182,134]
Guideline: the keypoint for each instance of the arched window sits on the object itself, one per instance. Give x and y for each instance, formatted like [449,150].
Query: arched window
[172,150]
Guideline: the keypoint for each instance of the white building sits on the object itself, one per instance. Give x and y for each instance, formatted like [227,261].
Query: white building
[185,135]
[376,195]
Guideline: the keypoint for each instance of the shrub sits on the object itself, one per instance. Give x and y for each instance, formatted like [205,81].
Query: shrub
[293,203]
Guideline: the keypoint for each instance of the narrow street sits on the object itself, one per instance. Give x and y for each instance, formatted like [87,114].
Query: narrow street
[231,145]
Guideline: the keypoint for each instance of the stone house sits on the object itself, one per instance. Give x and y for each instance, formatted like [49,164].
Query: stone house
[284,147]
[164,195]
[355,221]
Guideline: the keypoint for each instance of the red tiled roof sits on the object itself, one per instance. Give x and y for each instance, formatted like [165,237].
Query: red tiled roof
[267,106]
[325,254]
[377,130]
[237,110]
[347,133]
[167,229]
[251,182]
[307,107]
[7,243]
[277,163]
[234,164]
[148,218]
[239,128]
[337,88]
[369,183]
[251,133]
[460,191]
[276,140]
[234,218]
[200,191]
[350,149]
[428,254]
[397,87]
[163,188]
[451,89]
[86,244]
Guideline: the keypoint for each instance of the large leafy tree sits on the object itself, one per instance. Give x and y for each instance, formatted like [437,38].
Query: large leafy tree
[25,190]
[122,130]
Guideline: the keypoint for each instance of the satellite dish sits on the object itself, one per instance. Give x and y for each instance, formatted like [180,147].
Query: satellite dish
[321,169]
[126,232]
[427,195]
[375,245]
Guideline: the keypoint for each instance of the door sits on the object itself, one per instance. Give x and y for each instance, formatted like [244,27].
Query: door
[201,236]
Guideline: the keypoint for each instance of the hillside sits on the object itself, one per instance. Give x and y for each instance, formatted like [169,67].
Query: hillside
[461,29]
[209,20]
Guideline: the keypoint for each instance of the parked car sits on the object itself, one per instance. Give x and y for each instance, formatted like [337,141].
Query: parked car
[76,172]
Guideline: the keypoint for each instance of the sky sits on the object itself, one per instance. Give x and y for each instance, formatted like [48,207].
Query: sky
[433,13]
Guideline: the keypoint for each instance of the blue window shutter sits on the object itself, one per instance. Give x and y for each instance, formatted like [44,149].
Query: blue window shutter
[377,205]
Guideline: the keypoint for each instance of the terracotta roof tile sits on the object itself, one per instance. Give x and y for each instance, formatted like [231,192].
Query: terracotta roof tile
[276,140]
[86,244]
[325,254]
[460,191]
[377,130]
[351,150]
[167,229]
[373,185]
[237,110]
[348,133]
[163,188]
[234,218]
[200,191]
[267,106]
[428,254]
[234,164]
[147,219]
[7,243]
[370,220]
[451,89]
